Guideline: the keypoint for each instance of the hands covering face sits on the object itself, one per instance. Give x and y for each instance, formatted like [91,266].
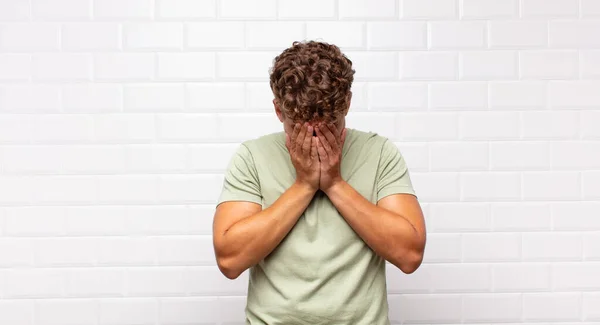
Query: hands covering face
[316,159]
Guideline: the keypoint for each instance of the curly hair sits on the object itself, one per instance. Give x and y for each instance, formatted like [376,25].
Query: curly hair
[311,81]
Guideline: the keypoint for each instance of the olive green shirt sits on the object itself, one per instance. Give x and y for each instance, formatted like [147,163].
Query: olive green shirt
[322,272]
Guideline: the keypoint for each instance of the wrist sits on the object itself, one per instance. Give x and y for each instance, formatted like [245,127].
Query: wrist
[305,187]
[334,187]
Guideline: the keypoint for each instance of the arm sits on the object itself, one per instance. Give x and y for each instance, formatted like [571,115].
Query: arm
[244,235]
[394,228]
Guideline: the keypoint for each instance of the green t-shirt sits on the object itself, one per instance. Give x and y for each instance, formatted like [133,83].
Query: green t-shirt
[322,272]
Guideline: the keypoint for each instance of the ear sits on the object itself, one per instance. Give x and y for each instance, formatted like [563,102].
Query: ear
[278,110]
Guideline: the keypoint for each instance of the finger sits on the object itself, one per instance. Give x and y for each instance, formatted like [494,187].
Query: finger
[321,150]
[300,139]
[313,149]
[329,131]
[323,140]
[307,141]
[343,138]
[287,141]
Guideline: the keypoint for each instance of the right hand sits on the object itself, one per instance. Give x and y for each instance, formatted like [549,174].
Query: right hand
[303,150]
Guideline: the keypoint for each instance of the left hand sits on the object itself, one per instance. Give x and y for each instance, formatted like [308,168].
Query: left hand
[329,147]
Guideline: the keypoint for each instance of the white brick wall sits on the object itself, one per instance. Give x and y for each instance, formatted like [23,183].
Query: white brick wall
[118,117]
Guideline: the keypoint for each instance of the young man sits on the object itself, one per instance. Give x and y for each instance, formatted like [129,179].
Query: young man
[315,211]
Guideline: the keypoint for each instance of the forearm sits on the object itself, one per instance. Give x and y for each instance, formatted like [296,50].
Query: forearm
[388,234]
[251,239]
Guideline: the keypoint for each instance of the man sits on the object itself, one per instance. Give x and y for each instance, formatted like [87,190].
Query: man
[315,211]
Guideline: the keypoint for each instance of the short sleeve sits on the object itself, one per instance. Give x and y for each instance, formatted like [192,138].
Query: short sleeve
[393,176]
[241,179]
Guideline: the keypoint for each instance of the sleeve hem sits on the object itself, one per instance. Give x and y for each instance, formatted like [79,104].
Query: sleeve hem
[395,190]
[245,198]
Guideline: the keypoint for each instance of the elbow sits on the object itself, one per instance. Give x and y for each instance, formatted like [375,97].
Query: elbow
[228,269]
[410,262]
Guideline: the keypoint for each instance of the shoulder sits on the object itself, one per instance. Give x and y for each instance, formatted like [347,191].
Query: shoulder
[265,144]
[370,140]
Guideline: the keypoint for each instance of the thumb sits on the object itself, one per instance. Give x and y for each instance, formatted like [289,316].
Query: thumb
[313,149]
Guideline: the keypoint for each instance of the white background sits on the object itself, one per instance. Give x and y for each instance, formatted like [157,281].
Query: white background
[118,117]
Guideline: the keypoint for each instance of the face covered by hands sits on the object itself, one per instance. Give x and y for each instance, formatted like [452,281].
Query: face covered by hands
[329,148]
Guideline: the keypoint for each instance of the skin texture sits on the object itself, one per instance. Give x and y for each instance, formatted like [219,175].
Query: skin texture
[244,234]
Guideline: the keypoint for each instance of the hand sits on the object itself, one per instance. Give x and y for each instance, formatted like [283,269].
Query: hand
[329,147]
[303,150]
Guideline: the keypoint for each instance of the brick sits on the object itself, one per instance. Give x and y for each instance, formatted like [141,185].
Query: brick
[457,35]
[245,9]
[548,65]
[62,67]
[259,96]
[91,37]
[382,123]
[186,310]
[574,94]
[156,158]
[61,9]
[215,35]
[16,252]
[460,278]
[15,10]
[16,189]
[179,189]
[127,251]
[126,189]
[244,65]
[428,126]
[589,124]
[552,247]
[492,307]
[25,159]
[185,250]
[92,98]
[202,218]
[17,312]
[208,280]
[416,308]
[35,283]
[576,276]
[155,281]
[429,9]
[511,277]
[186,9]
[591,184]
[75,189]
[491,9]
[590,8]
[363,9]
[428,66]
[461,156]
[29,37]
[517,94]
[32,221]
[458,96]
[489,125]
[95,221]
[67,312]
[65,252]
[374,66]
[280,34]
[179,127]
[590,64]
[458,217]
[186,66]
[574,34]
[399,282]
[397,96]
[15,128]
[575,155]
[122,311]
[359,101]
[123,9]
[533,155]
[555,306]
[96,282]
[165,220]
[495,247]
[521,216]
[61,128]
[153,36]
[154,97]
[124,66]
[92,159]
[416,155]
[15,67]
[124,127]
[30,98]
[518,34]
[407,35]
[591,246]
[590,301]
[550,125]
[488,65]
[442,248]
[308,9]
[551,186]
[207,97]
[446,186]
[496,186]
[346,35]
[552,8]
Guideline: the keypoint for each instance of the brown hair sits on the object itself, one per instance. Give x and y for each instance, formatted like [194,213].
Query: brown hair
[311,81]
